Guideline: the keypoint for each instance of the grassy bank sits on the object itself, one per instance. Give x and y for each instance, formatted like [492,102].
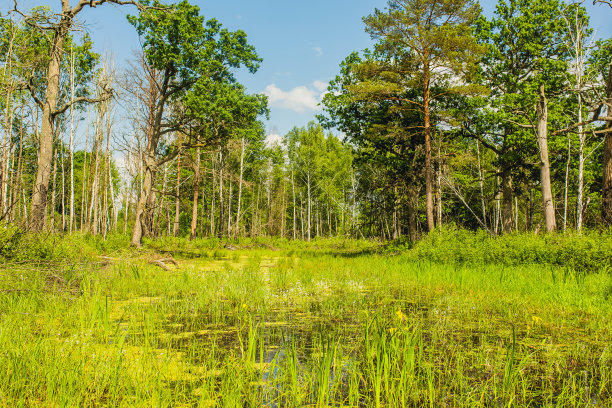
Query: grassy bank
[272,323]
[588,252]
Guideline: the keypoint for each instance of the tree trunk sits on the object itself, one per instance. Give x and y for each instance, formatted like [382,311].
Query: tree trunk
[45,145]
[429,207]
[7,123]
[221,206]
[606,207]
[109,188]
[159,210]
[212,199]
[156,98]
[567,171]
[411,214]
[17,187]
[53,194]
[95,186]
[177,204]
[237,226]
[581,160]
[542,131]
[294,207]
[84,192]
[507,193]
[126,208]
[196,193]
[71,147]
[142,207]
[309,206]
[481,184]
[229,205]
[63,188]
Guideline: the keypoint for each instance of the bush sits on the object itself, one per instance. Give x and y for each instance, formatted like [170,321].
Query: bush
[17,246]
[589,252]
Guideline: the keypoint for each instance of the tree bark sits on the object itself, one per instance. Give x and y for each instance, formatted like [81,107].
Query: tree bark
[581,160]
[606,207]
[84,193]
[567,170]
[142,207]
[429,206]
[196,193]
[294,206]
[309,205]
[221,204]
[542,132]
[71,147]
[8,117]
[45,145]
[177,204]
[237,226]
[49,108]
[229,204]
[481,184]
[53,194]
[156,97]
[212,198]
[507,193]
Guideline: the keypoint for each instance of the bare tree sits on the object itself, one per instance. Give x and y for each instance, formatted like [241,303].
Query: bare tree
[542,134]
[57,29]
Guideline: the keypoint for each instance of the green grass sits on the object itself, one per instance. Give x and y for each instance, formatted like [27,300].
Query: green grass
[327,323]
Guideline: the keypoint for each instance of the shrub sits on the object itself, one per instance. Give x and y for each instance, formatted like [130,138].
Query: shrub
[587,252]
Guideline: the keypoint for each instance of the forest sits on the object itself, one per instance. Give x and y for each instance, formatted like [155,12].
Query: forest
[439,235]
[499,124]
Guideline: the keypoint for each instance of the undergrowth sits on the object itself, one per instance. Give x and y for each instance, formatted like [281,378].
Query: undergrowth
[588,252]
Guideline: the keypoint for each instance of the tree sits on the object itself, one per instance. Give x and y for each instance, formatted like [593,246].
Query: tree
[432,44]
[525,50]
[386,137]
[57,29]
[607,161]
[188,52]
[542,135]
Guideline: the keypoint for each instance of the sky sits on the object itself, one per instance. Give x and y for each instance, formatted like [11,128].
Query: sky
[301,42]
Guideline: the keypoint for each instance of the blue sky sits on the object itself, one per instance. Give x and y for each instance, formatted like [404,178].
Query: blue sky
[301,42]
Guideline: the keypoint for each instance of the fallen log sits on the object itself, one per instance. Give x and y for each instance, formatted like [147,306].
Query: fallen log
[162,263]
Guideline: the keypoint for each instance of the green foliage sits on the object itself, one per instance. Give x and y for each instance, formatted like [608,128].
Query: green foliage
[179,42]
[22,247]
[590,252]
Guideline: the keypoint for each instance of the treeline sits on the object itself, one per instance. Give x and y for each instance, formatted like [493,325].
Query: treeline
[500,124]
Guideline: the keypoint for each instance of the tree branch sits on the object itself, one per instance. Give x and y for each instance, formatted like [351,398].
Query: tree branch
[30,87]
[603,131]
[519,124]
[481,140]
[608,2]
[94,3]
[80,99]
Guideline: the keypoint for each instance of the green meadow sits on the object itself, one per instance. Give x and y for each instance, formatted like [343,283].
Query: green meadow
[459,320]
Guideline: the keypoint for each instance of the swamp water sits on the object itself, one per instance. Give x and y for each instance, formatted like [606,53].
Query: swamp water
[362,343]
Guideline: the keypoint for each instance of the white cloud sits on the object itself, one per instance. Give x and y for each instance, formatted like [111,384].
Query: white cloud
[320,86]
[318,51]
[299,99]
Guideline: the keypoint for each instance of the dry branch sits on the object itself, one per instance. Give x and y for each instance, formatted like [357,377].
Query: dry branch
[162,263]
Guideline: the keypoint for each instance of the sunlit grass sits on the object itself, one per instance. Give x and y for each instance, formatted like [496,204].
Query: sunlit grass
[326,323]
